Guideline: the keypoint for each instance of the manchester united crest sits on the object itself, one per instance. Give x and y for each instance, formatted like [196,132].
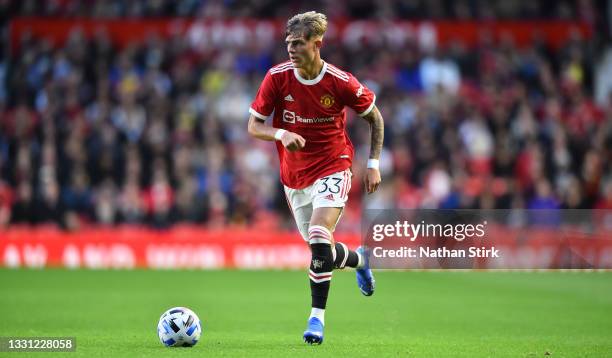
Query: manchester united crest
[327,100]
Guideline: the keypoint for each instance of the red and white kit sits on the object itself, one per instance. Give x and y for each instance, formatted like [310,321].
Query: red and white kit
[317,175]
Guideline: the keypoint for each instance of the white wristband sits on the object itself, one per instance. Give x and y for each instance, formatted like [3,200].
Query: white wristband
[373,163]
[279,134]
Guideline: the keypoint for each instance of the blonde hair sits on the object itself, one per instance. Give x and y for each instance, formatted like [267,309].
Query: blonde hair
[308,24]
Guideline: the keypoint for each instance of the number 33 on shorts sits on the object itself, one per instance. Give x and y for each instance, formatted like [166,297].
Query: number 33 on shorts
[332,190]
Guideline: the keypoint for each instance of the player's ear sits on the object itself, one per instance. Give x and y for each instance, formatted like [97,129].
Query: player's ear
[318,43]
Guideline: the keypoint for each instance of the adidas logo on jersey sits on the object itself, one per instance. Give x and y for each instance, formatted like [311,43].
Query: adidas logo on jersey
[329,197]
[360,90]
[289,98]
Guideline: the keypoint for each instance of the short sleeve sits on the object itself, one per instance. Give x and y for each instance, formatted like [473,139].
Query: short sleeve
[263,104]
[359,97]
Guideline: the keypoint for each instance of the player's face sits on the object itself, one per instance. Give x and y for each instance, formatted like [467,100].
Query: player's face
[301,51]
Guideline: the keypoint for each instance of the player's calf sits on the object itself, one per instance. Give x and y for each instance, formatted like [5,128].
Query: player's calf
[344,257]
[321,264]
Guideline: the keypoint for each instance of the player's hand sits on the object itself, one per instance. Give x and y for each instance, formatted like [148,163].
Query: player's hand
[293,141]
[372,180]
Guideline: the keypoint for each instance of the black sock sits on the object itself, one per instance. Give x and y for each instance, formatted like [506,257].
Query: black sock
[320,274]
[345,257]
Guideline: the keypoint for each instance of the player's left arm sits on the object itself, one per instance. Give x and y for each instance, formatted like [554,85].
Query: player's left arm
[377,134]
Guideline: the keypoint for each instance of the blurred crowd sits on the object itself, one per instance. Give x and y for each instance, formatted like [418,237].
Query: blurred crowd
[584,10]
[155,133]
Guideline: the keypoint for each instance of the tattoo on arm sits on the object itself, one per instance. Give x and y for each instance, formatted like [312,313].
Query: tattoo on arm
[377,132]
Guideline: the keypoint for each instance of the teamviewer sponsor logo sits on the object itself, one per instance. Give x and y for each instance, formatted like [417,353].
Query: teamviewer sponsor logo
[288,116]
[291,117]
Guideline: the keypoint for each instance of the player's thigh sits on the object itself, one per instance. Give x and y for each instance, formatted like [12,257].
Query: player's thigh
[329,195]
[300,203]
[327,217]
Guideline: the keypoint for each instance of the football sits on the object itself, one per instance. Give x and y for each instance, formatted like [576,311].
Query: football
[179,327]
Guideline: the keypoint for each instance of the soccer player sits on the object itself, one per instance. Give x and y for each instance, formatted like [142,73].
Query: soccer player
[308,98]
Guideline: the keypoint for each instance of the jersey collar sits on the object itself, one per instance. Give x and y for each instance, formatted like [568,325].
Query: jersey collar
[315,80]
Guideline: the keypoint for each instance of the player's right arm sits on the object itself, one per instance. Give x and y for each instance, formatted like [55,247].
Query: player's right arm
[260,130]
[262,108]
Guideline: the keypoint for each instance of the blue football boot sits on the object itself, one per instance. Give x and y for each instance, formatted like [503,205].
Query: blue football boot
[314,332]
[365,278]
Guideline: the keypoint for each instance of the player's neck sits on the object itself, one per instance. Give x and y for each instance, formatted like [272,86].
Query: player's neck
[311,70]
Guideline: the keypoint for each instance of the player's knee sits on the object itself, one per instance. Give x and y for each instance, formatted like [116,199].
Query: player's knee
[326,218]
[318,234]
[321,249]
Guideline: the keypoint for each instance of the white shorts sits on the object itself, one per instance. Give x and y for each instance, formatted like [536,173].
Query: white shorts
[330,191]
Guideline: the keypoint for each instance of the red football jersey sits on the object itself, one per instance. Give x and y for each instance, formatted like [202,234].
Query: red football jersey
[314,109]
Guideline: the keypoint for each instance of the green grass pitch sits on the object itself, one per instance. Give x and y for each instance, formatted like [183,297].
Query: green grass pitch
[263,313]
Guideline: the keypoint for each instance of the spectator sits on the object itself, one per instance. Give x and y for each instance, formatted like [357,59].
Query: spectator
[153,132]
